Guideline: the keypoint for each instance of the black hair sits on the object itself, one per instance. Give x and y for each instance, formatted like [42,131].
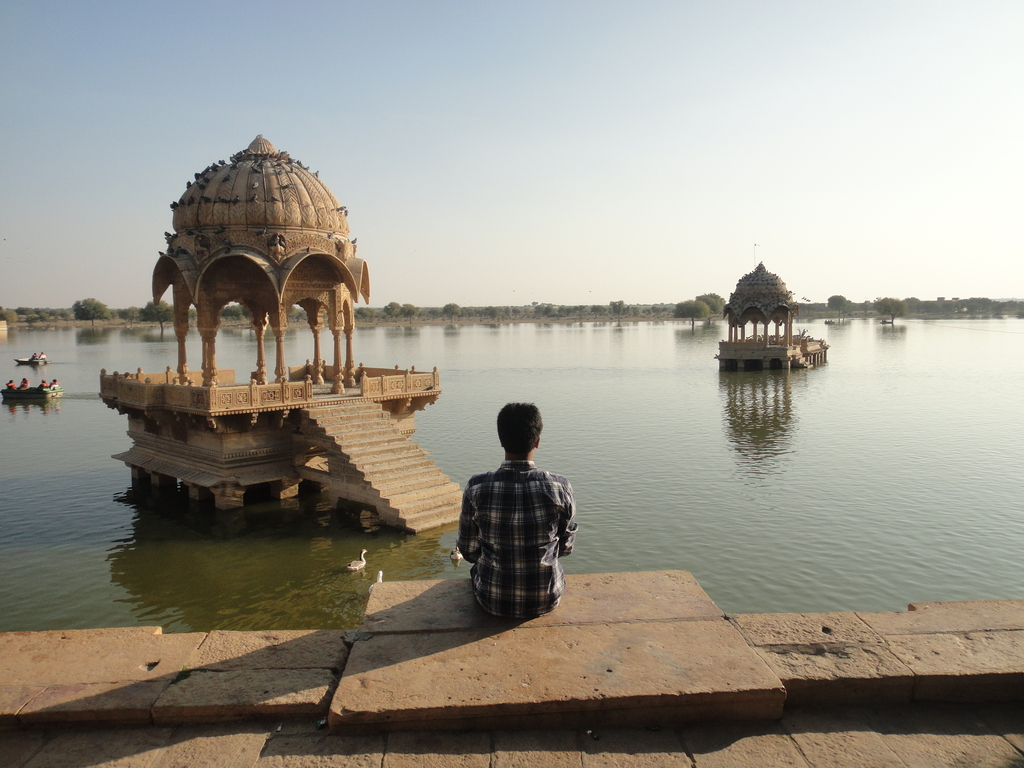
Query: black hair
[519,427]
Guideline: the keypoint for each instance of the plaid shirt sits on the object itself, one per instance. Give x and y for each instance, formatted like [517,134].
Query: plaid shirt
[515,524]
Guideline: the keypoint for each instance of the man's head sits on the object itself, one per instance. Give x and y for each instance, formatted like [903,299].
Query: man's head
[519,427]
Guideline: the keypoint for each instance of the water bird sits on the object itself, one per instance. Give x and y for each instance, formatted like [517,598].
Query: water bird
[358,565]
[380,580]
[455,555]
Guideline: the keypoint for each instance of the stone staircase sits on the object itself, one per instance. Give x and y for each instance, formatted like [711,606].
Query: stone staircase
[370,461]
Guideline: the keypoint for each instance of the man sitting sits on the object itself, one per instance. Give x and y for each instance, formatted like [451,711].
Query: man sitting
[516,522]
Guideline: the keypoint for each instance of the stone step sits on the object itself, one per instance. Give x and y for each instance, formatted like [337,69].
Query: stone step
[430,503]
[639,649]
[429,477]
[415,500]
[432,518]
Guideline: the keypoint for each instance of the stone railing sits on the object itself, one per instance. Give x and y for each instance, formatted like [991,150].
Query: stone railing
[162,390]
[149,390]
[385,383]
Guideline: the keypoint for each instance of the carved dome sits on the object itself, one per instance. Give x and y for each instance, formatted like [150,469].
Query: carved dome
[760,290]
[260,188]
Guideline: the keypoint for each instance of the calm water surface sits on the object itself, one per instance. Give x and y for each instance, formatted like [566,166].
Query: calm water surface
[890,475]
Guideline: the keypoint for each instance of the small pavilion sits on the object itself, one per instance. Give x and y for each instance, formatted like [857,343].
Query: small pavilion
[264,231]
[762,300]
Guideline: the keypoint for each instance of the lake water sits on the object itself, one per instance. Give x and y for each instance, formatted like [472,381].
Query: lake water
[890,475]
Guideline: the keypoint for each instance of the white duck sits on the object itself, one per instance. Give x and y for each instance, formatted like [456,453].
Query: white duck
[380,580]
[358,565]
[455,555]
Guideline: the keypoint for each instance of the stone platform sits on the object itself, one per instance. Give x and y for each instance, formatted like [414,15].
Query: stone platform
[633,651]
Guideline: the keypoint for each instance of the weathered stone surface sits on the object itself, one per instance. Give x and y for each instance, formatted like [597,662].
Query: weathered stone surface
[17,747]
[274,649]
[633,748]
[109,748]
[239,694]
[416,606]
[322,750]
[974,666]
[726,745]
[954,616]
[522,749]
[803,628]
[126,703]
[839,737]
[93,655]
[839,674]
[12,699]
[213,746]
[440,749]
[618,674]
[1007,720]
[943,737]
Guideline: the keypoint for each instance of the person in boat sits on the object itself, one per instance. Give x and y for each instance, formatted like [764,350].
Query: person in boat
[25,384]
[10,384]
[54,384]
[516,523]
[43,384]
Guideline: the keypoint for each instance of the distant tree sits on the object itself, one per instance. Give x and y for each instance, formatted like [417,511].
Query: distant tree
[451,311]
[130,315]
[366,313]
[157,313]
[617,308]
[715,302]
[409,311]
[392,310]
[491,313]
[91,310]
[892,307]
[9,315]
[599,309]
[234,312]
[840,304]
[694,310]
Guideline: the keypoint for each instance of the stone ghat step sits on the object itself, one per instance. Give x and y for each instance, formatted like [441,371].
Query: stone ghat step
[623,649]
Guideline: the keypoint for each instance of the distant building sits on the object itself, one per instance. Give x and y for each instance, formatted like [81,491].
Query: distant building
[762,300]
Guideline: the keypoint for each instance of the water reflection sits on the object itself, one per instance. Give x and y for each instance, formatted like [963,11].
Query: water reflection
[759,418]
[92,336]
[188,567]
[27,409]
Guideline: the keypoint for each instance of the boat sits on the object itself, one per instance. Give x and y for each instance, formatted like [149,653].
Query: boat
[32,393]
[34,360]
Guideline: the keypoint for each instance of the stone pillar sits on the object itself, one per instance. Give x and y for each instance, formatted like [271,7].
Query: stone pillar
[209,337]
[280,371]
[261,356]
[163,482]
[284,489]
[198,492]
[181,333]
[350,366]
[339,373]
[229,496]
[317,359]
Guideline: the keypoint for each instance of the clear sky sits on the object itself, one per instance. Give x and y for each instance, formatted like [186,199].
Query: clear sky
[505,153]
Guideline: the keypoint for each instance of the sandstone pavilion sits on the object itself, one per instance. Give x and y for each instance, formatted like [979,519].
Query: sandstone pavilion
[762,300]
[264,231]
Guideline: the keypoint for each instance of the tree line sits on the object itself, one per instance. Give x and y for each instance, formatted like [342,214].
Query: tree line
[701,307]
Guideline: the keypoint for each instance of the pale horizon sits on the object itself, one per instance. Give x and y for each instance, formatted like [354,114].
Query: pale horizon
[499,155]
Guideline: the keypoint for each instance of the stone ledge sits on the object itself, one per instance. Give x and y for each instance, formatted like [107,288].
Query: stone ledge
[968,667]
[830,658]
[564,674]
[273,649]
[210,696]
[600,598]
[954,616]
[122,703]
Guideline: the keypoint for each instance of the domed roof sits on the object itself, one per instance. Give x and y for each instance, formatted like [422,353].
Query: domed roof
[762,290]
[259,188]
